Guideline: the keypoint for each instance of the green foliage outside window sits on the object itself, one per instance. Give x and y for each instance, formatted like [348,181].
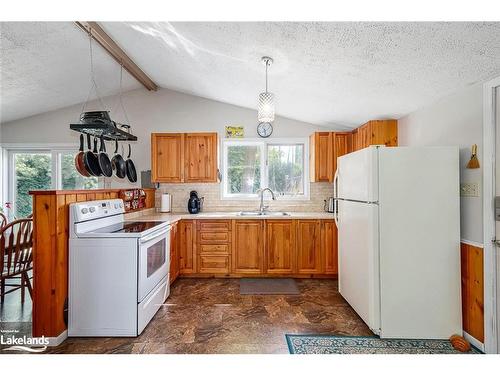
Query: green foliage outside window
[243,169]
[33,172]
[285,169]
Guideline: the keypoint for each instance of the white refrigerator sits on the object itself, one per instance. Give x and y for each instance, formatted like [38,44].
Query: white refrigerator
[398,220]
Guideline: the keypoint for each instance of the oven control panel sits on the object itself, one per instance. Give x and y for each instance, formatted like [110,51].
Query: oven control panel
[91,210]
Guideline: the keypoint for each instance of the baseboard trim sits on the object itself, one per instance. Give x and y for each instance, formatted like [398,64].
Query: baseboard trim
[56,341]
[472,243]
[475,342]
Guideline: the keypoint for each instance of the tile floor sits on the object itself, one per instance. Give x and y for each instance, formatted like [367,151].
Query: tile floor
[210,316]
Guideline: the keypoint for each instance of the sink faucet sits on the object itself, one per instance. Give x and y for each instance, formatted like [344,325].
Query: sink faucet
[263,208]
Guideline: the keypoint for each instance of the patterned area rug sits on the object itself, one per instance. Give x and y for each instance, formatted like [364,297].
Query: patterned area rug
[317,344]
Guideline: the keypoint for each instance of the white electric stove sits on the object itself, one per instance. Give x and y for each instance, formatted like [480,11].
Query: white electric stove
[118,270]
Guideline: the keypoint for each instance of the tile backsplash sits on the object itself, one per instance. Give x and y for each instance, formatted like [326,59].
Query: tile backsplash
[319,191]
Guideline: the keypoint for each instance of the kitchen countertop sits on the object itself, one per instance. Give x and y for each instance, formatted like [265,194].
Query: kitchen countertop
[152,215]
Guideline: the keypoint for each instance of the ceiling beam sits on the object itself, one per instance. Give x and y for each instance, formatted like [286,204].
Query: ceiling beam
[100,36]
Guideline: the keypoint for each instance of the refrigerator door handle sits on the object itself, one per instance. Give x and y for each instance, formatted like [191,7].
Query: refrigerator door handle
[335,180]
[335,198]
[336,212]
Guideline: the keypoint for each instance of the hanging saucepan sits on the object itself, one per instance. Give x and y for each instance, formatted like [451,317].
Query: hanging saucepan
[79,163]
[131,173]
[118,163]
[104,162]
[90,159]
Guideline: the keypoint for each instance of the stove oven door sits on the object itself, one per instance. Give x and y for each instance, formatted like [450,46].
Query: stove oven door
[154,260]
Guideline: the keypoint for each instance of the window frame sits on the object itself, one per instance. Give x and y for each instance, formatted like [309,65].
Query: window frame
[263,143]
[56,151]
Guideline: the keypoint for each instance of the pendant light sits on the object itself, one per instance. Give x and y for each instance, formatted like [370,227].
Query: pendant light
[266,99]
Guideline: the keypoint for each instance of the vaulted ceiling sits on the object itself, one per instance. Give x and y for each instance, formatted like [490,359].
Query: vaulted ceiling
[337,74]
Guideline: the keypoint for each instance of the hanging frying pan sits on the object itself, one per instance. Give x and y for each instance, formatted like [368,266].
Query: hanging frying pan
[118,163]
[104,162]
[79,163]
[90,159]
[131,173]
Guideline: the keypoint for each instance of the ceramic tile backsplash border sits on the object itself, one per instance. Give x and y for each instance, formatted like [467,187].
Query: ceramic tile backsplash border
[211,192]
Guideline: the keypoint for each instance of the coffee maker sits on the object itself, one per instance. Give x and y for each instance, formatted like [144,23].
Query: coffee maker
[195,203]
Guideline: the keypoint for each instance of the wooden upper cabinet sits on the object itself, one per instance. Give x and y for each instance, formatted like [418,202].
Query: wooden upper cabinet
[383,132]
[184,157]
[248,247]
[341,145]
[308,246]
[329,247]
[321,157]
[200,157]
[280,246]
[167,157]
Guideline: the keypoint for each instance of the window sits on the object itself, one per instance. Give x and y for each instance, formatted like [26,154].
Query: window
[253,164]
[31,171]
[285,165]
[39,170]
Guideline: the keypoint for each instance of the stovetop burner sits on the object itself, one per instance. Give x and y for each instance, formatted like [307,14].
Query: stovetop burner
[129,227]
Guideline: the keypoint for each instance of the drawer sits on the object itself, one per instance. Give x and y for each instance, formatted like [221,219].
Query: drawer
[214,264]
[214,248]
[214,237]
[219,225]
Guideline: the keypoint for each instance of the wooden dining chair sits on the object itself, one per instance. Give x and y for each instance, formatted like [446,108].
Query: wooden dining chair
[3,220]
[16,257]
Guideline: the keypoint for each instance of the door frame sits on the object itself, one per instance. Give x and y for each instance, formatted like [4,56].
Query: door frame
[489,188]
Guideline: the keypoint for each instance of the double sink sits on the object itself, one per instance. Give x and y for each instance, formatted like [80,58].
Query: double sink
[263,213]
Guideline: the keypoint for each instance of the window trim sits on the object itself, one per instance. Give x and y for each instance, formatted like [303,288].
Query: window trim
[264,176]
[55,150]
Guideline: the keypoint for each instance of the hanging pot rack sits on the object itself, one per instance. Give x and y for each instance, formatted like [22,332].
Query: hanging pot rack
[109,131]
[98,123]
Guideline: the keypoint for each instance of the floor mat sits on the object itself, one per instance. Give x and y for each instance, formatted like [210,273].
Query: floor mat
[318,344]
[268,286]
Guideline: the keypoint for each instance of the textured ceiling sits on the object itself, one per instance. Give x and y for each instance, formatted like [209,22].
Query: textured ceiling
[338,74]
[45,66]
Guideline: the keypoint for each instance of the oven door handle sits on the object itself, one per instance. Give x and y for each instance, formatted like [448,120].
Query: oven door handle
[156,234]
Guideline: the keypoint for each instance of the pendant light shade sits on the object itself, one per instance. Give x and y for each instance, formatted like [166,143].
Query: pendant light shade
[266,99]
[266,107]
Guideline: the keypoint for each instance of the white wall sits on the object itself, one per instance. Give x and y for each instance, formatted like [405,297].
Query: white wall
[161,111]
[453,121]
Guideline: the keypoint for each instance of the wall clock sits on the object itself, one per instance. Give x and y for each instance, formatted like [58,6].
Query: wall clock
[265,129]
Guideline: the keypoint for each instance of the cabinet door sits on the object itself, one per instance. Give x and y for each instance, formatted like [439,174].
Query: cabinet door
[321,157]
[187,247]
[280,246]
[248,246]
[174,252]
[341,145]
[384,132]
[308,246]
[167,157]
[329,247]
[200,155]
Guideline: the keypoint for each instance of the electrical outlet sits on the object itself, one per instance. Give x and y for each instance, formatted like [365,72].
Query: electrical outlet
[469,189]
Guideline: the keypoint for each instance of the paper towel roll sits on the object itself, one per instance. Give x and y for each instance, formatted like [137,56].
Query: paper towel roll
[166,200]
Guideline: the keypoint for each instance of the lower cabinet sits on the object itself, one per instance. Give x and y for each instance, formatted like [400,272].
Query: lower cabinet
[248,247]
[213,246]
[308,246]
[213,263]
[255,247]
[329,252]
[174,252]
[280,247]
[187,247]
